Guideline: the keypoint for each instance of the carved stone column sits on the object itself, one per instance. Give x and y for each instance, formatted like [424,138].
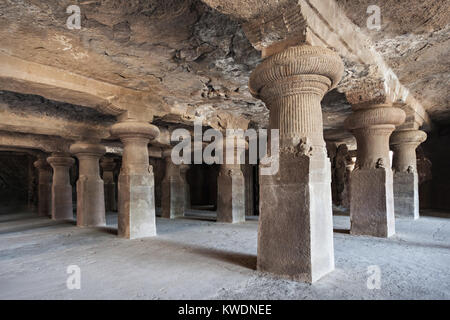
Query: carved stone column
[406,180]
[44,187]
[187,199]
[371,189]
[108,165]
[231,186]
[173,189]
[90,189]
[62,207]
[136,181]
[295,237]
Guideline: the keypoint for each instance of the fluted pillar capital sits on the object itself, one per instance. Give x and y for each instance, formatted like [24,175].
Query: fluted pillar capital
[372,125]
[292,84]
[410,137]
[404,144]
[297,69]
[379,116]
[87,149]
[60,160]
[134,129]
[135,136]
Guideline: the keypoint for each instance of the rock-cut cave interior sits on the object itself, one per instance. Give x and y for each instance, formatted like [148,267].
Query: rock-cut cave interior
[225,149]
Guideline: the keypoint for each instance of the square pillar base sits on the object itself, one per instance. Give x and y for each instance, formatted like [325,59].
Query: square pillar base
[90,202]
[231,196]
[372,202]
[62,207]
[295,236]
[136,206]
[406,195]
[45,200]
[173,199]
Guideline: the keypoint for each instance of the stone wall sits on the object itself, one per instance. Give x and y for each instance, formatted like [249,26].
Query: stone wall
[435,153]
[17,179]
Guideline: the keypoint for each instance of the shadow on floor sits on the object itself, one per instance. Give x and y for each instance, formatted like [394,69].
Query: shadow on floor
[344,231]
[237,258]
[241,259]
[435,214]
[33,223]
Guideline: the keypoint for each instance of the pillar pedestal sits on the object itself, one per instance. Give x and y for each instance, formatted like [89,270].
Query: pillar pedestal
[406,181]
[295,236]
[62,207]
[230,194]
[90,190]
[187,199]
[44,187]
[173,189]
[371,188]
[108,165]
[136,182]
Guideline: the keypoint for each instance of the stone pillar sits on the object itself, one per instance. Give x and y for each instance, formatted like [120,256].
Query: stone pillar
[371,186]
[136,182]
[173,189]
[187,199]
[406,184]
[108,165]
[44,187]
[90,190]
[295,237]
[62,207]
[231,185]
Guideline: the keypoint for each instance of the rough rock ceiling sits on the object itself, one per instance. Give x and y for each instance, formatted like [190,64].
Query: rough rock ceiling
[194,57]
[183,50]
[414,40]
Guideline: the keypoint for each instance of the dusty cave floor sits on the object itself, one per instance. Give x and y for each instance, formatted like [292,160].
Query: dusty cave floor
[197,258]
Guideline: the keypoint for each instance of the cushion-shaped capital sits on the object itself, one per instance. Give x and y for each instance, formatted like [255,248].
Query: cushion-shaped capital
[131,128]
[88,148]
[301,60]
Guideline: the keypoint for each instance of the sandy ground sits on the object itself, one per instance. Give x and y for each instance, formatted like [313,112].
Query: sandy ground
[197,258]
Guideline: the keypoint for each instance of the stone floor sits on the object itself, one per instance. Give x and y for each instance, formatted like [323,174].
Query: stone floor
[197,258]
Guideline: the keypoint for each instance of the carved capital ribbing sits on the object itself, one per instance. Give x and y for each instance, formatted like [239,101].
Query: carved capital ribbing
[292,84]
[372,125]
[414,137]
[297,61]
[404,144]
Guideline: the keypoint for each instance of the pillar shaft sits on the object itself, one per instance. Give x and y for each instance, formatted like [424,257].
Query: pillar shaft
[230,194]
[231,183]
[90,190]
[371,196]
[62,207]
[44,187]
[108,165]
[136,182]
[295,237]
[173,190]
[187,199]
[406,184]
